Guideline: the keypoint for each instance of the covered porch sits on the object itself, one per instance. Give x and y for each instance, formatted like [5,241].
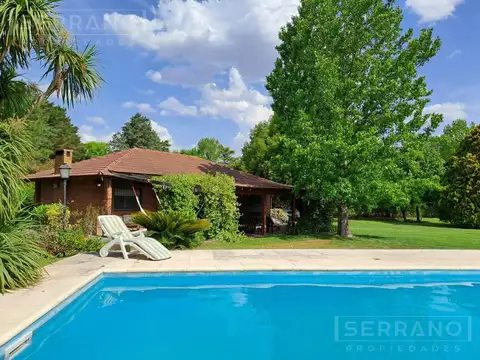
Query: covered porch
[255,205]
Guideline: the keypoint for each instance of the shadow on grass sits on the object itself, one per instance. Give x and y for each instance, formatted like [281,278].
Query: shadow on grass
[375,237]
[425,223]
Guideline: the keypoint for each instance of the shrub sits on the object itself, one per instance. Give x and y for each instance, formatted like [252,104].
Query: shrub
[51,215]
[460,200]
[87,220]
[174,229]
[20,257]
[68,242]
[216,202]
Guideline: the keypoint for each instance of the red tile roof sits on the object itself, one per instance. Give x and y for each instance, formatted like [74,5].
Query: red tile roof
[151,162]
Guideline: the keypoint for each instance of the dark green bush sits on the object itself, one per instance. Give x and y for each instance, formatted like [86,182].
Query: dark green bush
[460,200]
[174,229]
[216,201]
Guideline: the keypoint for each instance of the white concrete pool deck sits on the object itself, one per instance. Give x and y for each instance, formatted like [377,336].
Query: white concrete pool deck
[21,308]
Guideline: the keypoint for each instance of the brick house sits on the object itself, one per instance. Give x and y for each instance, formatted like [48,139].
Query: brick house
[109,181]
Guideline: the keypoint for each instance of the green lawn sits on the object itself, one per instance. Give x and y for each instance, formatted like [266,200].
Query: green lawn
[430,234]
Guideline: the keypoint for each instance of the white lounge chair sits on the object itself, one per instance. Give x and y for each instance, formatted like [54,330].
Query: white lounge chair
[118,234]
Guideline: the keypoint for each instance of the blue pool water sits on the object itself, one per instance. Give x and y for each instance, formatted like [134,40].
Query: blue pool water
[281,316]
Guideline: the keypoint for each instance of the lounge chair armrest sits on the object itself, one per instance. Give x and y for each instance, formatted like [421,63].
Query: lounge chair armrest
[114,235]
[139,232]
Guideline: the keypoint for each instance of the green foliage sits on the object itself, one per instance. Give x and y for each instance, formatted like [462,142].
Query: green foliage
[346,96]
[452,137]
[15,95]
[74,72]
[51,215]
[261,156]
[460,201]
[211,149]
[14,156]
[51,129]
[20,257]
[138,133]
[95,149]
[68,242]
[59,240]
[28,25]
[217,201]
[173,229]
[416,170]
[87,219]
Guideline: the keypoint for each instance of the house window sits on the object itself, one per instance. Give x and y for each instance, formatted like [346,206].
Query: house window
[124,199]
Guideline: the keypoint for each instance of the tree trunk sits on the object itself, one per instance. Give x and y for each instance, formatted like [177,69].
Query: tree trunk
[419,219]
[343,228]
[404,214]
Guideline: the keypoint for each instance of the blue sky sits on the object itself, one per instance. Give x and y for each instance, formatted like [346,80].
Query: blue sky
[197,69]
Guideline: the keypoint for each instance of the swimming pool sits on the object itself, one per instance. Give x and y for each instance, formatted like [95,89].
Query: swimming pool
[265,315]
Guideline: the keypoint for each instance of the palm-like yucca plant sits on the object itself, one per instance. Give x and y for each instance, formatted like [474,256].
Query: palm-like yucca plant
[14,155]
[74,73]
[172,228]
[16,96]
[20,257]
[27,25]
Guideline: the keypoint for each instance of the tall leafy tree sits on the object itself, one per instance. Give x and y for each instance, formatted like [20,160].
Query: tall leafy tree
[138,133]
[51,129]
[94,149]
[262,154]
[345,92]
[211,149]
[452,136]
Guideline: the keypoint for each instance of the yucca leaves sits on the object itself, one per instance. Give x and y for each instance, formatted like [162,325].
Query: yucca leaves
[172,228]
[20,257]
[14,155]
[74,73]
[27,25]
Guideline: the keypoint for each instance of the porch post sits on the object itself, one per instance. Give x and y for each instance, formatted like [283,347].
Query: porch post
[264,214]
[107,183]
[294,210]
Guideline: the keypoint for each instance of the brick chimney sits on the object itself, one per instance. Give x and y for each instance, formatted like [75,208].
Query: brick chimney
[62,157]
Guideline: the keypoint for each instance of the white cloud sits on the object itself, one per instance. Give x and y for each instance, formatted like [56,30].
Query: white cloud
[161,131]
[433,10]
[454,53]
[155,76]
[245,106]
[202,39]
[238,141]
[173,106]
[451,111]
[142,107]
[87,134]
[97,120]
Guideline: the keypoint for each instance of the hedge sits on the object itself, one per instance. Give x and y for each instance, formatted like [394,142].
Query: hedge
[216,201]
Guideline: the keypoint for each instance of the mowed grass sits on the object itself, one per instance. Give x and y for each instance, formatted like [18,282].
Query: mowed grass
[430,234]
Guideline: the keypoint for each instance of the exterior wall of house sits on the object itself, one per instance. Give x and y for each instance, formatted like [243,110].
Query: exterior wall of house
[84,191]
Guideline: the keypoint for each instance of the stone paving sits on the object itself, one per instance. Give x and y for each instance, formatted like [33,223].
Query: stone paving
[21,308]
